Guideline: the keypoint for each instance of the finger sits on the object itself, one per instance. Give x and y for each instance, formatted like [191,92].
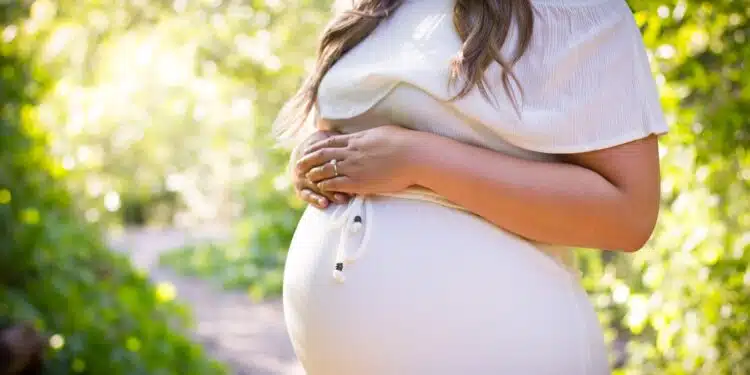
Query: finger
[311,197]
[334,141]
[323,172]
[319,157]
[341,184]
[340,198]
[328,195]
[331,197]
[308,196]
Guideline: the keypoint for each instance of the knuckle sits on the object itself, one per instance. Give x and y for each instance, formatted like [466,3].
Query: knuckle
[312,175]
[315,188]
[299,167]
[329,184]
[335,140]
[300,172]
[307,163]
[314,156]
[309,186]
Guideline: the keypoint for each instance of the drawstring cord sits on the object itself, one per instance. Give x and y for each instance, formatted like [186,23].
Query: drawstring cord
[352,219]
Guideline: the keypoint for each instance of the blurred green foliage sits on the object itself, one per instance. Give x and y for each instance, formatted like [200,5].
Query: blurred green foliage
[102,317]
[162,107]
[685,299]
[682,304]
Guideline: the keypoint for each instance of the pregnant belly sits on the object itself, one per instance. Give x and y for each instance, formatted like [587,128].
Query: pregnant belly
[435,291]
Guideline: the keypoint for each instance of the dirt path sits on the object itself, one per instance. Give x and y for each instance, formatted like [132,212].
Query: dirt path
[249,337]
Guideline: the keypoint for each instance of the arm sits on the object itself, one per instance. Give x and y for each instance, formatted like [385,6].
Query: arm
[606,199]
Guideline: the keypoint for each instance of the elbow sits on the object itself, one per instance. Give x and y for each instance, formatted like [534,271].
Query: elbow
[637,234]
[635,241]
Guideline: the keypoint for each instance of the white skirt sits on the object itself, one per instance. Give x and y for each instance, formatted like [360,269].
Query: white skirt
[431,290]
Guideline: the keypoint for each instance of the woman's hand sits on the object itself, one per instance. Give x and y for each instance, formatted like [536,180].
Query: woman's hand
[378,160]
[307,190]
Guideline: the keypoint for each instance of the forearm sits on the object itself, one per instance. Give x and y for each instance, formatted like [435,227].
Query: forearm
[553,203]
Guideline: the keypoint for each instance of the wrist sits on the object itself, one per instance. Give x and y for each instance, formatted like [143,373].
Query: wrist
[422,158]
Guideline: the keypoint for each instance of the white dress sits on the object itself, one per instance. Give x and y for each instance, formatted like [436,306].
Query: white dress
[428,288]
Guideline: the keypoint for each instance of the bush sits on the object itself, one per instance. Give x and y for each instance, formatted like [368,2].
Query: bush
[101,315]
[254,259]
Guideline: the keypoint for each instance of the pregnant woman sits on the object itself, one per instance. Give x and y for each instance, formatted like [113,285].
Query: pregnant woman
[460,150]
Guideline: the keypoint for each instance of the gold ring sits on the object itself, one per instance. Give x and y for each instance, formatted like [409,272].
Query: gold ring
[335,167]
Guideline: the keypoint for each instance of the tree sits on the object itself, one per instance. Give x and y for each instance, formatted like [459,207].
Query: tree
[160,98]
[100,314]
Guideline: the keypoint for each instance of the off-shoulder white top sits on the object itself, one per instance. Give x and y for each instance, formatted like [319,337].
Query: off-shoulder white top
[586,81]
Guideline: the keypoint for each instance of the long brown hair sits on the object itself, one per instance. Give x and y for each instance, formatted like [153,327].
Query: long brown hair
[483,26]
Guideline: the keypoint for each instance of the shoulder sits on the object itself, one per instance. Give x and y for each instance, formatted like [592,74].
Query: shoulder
[582,17]
[572,101]
[577,28]
[589,12]
[574,5]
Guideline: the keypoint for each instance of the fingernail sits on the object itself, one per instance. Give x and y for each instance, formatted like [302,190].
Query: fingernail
[341,198]
[322,201]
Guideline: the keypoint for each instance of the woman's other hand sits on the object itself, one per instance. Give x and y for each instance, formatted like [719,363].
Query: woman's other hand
[307,190]
[379,160]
